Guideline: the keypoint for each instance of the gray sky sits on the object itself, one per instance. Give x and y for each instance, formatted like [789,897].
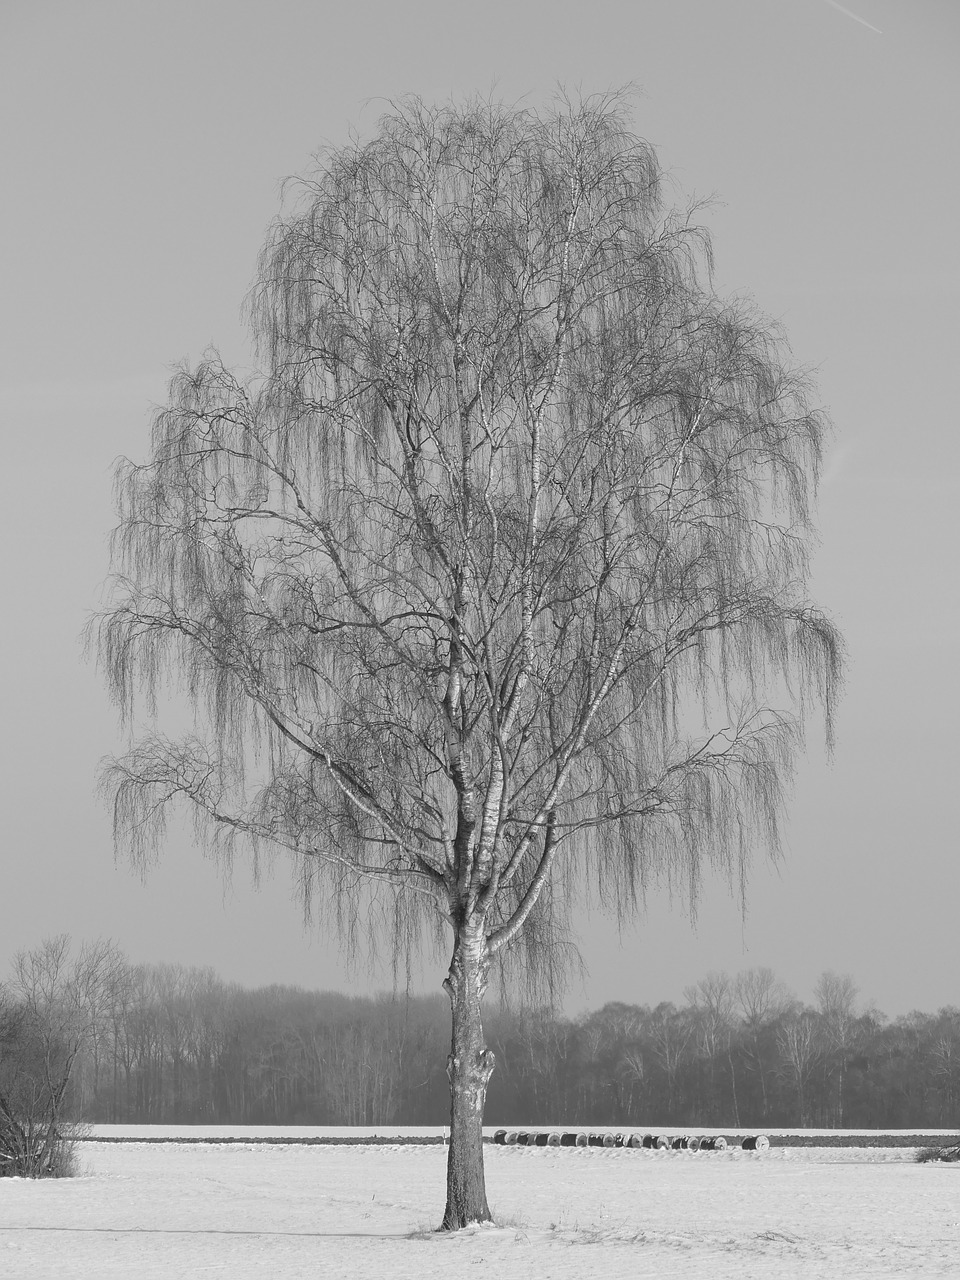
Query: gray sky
[143,147]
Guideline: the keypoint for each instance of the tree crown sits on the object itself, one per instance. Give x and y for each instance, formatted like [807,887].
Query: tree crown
[494,582]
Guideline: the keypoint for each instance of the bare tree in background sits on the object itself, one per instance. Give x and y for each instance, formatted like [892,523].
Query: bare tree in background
[48,1016]
[712,1000]
[761,999]
[800,1052]
[493,585]
[836,996]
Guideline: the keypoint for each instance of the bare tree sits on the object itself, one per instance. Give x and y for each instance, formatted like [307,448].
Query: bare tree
[762,999]
[48,1017]
[670,1030]
[492,586]
[945,1060]
[712,1001]
[800,1052]
[836,996]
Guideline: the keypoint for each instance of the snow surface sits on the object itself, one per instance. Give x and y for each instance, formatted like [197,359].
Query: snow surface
[252,1212]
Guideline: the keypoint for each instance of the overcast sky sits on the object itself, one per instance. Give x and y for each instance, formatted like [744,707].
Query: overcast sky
[143,149]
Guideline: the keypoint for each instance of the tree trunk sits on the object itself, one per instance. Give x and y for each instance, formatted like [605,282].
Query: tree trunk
[733,1086]
[469,1068]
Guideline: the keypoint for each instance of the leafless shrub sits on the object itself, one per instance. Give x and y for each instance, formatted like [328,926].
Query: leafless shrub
[47,1015]
[927,1154]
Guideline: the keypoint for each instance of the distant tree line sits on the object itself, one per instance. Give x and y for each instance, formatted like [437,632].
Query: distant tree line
[164,1044]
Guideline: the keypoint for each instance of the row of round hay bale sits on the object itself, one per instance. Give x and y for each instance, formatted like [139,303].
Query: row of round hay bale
[520,1138]
[695,1143]
[659,1142]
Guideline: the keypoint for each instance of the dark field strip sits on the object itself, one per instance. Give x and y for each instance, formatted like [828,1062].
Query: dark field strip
[877,1139]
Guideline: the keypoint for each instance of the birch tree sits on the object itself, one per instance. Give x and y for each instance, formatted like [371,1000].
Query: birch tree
[712,1002]
[836,996]
[762,1000]
[491,585]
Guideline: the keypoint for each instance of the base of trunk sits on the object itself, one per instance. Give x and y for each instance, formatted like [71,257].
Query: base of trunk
[469,1068]
[466,1185]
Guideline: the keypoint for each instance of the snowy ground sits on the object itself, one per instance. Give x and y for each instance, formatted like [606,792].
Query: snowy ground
[159,1212]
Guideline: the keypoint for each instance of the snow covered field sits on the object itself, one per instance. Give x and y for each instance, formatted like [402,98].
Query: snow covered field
[155,1212]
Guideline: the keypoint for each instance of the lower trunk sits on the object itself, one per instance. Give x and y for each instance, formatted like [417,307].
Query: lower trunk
[469,1068]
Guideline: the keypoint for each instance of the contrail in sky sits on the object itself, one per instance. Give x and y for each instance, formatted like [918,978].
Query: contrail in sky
[854,16]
